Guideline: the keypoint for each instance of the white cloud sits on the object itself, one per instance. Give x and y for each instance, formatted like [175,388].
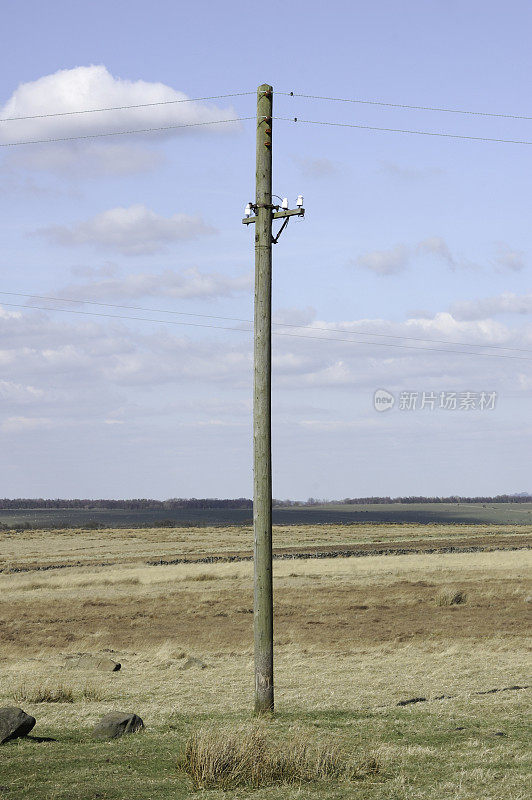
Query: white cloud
[506,303]
[392,360]
[385,262]
[86,363]
[93,87]
[152,400]
[136,230]
[188,283]
[81,365]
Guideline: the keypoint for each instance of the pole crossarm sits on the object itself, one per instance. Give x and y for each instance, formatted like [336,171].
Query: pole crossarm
[290,212]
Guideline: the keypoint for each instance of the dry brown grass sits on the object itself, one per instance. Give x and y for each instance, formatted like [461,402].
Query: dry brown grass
[451,597]
[245,756]
[29,549]
[204,576]
[54,693]
[367,633]
[353,636]
[335,606]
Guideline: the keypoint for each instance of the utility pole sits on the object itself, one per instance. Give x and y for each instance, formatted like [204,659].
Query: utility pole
[264,212]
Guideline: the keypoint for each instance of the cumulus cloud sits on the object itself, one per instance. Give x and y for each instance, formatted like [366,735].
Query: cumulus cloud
[506,303]
[162,400]
[385,262]
[383,339]
[55,363]
[133,231]
[93,87]
[189,283]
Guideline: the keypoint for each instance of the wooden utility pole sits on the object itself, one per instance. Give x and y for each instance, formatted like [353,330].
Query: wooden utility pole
[265,212]
[262,436]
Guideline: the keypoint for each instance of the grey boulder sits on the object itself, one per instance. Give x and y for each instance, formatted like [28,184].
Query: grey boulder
[116,724]
[89,661]
[194,663]
[14,723]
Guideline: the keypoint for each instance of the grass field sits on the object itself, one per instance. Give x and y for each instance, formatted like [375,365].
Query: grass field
[354,636]
[43,549]
[330,513]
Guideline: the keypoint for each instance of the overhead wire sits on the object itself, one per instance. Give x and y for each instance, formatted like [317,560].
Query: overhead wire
[124,108]
[250,322]
[286,94]
[275,333]
[404,130]
[242,119]
[123,133]
[288,119]
[405,106]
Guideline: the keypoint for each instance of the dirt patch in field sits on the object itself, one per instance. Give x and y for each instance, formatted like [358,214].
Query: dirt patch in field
[216,618]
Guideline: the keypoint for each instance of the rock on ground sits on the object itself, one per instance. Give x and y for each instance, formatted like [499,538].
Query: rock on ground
[88,661]
[116,724]
[14,723]
[192,662]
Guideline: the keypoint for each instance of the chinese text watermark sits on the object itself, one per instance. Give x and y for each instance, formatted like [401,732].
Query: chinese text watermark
[383,400]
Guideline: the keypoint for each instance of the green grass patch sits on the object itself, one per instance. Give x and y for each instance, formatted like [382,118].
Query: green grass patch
[435,750]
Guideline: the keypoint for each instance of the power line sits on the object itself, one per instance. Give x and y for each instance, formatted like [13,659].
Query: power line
[276,333]
[250,322]
[285,119]
[286,94]
[404,130]
[122,133]
[122,108]
[404,105]
[241,119]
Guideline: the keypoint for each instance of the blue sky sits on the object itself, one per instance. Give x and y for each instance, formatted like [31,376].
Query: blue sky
[405,236]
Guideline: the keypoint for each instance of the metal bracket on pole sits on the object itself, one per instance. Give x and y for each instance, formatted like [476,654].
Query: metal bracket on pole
[275,239]
[278,214]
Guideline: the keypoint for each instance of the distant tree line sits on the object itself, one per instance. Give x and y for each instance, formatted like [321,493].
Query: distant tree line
[522,497]
[125,505]
[240,502]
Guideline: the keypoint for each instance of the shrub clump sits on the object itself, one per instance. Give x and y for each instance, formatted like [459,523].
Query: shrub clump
[54,694]
[245,757]
[451,597]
